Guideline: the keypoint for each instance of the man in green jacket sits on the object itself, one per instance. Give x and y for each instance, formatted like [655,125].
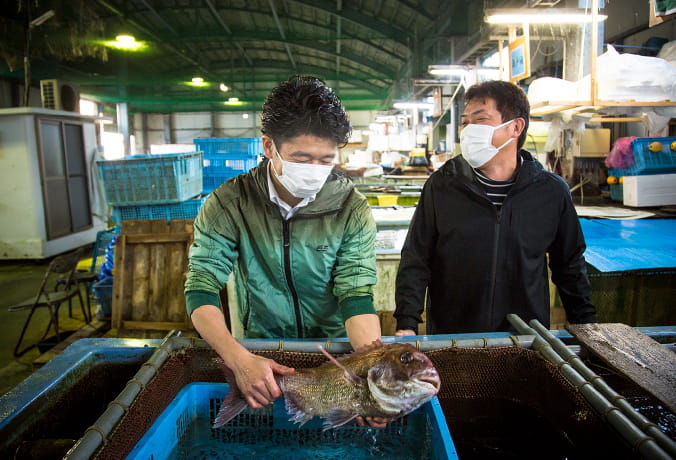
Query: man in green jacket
[298,236]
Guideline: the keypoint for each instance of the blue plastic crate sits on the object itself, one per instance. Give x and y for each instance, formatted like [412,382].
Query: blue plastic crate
[647,162]
[152,179]
[103,293]
[219,168]
[183,430]
[241,146]
[227,158]
[184,210]
[616,192]
[213,181]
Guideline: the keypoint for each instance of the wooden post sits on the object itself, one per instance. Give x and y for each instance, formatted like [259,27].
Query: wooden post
[511,36]
[501,63]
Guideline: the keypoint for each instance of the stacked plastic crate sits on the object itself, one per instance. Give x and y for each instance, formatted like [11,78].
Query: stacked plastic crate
[652,156]
[146,187]
[227,158]
[153,187]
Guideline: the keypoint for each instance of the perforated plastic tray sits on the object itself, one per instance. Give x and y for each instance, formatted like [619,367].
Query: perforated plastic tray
[183,430]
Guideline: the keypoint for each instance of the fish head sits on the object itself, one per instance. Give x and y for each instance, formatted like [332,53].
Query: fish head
[403,379]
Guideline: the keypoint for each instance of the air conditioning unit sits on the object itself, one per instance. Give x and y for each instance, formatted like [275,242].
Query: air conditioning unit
[58,95]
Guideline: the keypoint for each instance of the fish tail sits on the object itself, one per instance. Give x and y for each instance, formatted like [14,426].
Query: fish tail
[231,406]
[233,403]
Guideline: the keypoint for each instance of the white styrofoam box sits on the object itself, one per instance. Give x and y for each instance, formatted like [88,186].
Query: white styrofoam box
[649,190]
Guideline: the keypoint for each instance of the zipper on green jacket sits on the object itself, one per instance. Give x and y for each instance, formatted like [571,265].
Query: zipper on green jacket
[289,279]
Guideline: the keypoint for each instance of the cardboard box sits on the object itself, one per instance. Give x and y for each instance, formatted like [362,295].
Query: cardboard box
[649,190]
[592,143]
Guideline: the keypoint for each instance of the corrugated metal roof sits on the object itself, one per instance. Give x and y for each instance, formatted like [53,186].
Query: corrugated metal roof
[367,50]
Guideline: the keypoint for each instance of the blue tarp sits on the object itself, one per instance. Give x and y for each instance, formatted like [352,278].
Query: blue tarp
[621,245]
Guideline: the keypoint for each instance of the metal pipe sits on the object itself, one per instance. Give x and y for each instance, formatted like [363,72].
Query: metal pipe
[420,342]
[96,434]
[618,400]
[645,445]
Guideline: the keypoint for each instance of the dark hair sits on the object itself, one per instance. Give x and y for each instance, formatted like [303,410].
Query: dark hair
[304,105]
[510,100]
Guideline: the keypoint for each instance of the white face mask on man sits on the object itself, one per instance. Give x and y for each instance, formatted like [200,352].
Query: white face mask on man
[476,143]
[302,180]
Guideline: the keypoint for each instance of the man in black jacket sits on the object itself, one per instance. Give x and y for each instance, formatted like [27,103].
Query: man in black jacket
[486,221]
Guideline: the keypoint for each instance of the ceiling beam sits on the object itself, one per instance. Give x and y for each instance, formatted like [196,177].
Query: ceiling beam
[320,66]
[358,18]
[262,35]
[419,9]
[167,25]
[216,15]
[281,32]
[339,20]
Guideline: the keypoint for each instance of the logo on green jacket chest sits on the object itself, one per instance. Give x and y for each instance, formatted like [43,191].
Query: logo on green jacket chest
[322,248]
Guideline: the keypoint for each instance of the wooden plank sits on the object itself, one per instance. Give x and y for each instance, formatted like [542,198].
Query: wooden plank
[158,238]
[118,281]
[593,50]
[664,103]
[633,354]
[156,308]
[615,119]
[137,291]
[153,325]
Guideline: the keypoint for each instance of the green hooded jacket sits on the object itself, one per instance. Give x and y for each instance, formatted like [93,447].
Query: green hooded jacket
[301,277]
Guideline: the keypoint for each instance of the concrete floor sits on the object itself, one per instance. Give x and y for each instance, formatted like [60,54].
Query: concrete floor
[20,280]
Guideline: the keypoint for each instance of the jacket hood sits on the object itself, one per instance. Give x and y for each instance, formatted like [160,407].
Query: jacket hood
[330,198]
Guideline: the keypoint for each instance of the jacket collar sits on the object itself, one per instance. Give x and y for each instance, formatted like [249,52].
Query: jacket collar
[457,169]
[330,198]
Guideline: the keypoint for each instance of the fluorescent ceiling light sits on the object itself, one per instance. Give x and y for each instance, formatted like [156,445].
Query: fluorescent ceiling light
[126,43]
[197,82]
[234,101]
[453,70]
[413,105]
[126,39]
[540,16]
[486,73]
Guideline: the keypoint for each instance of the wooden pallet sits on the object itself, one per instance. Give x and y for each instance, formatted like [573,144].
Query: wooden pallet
[151,260]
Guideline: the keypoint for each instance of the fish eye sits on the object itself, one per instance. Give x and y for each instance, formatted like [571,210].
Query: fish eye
[406,357]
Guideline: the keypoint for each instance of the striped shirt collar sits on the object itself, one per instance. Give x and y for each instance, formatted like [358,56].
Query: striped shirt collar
[488,181]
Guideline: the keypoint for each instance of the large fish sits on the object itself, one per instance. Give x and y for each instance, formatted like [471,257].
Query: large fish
[377,381]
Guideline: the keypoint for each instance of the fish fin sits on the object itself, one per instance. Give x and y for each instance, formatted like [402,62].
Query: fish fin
[338,417]
[231,406]
[350,376]
[233,403]
[298,415]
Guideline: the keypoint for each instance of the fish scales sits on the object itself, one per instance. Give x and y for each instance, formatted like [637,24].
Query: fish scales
[378,381]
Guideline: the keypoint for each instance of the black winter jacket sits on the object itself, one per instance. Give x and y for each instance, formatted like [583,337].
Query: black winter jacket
[480,264]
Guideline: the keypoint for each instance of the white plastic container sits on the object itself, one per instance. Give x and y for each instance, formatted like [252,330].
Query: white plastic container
[649,190]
